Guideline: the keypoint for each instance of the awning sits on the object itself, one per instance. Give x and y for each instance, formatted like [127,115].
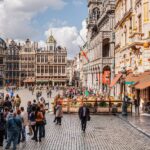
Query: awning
[115,80]
[144,81]
[29,81]
[132,79]
[42,81]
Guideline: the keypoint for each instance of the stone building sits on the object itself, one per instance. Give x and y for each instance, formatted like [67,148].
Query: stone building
[28,63]
[12,71]
[51,62]
[2,62]
[132,48]
[99,68]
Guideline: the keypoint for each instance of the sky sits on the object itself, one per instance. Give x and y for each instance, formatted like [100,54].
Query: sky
[36,19]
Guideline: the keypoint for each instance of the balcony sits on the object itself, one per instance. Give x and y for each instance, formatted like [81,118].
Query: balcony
[107,60]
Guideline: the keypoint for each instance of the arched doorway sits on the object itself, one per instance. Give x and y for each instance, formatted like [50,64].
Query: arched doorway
[106,77]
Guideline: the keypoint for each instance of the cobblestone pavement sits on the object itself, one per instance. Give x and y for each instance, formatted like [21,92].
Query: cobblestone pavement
[140,122]
[103,133]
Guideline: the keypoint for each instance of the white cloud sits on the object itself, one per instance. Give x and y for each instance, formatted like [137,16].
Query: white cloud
[16,16]
[68,36]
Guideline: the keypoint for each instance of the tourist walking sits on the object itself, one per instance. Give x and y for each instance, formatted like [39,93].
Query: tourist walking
[13,128]
[17,101]
[39,122]
[33,122]
[24,116]
[2,127]
[59,113]
[44,119]
[84,115]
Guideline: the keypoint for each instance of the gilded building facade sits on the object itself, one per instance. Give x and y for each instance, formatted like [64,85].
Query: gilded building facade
[98,69]
[12,71]
[27,63]
[132,47]
[51,63]
[2,62]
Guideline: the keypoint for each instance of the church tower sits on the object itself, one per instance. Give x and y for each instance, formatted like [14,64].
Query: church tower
[51,43]
[94,13]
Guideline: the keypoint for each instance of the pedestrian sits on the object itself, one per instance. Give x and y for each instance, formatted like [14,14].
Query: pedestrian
[24,116]
[50,93]
[33,122]
[39,122]
[84,115]
[2,127]
[13,127]
[7,102]
[17,101]
[59,113]
[44,119]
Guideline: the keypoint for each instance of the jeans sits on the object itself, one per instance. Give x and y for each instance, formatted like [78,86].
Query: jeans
[34,131]
[2,133]
[23,132]
[38,130]
[43,130]
[58,120]
[83,123]
[12,137]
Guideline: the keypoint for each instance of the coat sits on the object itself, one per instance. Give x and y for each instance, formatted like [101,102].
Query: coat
[59,112]
[80,113]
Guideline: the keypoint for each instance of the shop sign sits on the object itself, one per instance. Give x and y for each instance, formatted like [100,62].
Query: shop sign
[130,83]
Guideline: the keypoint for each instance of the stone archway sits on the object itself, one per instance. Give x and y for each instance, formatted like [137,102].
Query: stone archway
[106,78]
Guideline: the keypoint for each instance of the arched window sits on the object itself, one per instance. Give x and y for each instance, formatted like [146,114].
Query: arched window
[96,13]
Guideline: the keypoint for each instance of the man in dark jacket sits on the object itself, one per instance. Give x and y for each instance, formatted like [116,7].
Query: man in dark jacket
[2,128]
[84,115]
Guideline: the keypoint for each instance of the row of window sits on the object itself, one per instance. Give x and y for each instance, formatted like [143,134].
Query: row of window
[28,58]
[57,59]
[51,69]
[27,66]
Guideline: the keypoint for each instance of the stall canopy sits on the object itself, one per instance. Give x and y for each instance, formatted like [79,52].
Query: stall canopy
[132,79]
[144,81]
[115,80]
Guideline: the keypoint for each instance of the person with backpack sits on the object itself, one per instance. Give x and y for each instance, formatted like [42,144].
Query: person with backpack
[33,122]
[13,128]
[2,128]
[39,122]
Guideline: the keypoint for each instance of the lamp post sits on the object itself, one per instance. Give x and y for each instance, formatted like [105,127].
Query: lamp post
[124,97]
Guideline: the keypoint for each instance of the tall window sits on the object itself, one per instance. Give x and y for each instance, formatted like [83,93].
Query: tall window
[51,69]
[140,23]
[42,69]
[55,69]
[59,59]
[51,48]
[55,59]
[46,69]
[38,58]
[46,58]
[63,69]
[146,10]
[59,69]
[42,58]
[63,59]
[38,69]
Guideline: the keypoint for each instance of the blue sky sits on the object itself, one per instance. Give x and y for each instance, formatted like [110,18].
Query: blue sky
[71,15]
[34,19]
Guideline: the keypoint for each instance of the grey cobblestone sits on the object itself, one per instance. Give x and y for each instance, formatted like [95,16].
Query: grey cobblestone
[103,133]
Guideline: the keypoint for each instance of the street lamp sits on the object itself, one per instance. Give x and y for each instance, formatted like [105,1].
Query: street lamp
[124,104]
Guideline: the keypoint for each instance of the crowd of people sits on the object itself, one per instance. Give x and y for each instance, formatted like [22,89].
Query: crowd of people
[15,121]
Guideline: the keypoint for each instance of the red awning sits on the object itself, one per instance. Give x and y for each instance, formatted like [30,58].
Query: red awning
[115,80]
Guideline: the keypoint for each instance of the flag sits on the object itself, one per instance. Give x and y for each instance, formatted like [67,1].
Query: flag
[83,53]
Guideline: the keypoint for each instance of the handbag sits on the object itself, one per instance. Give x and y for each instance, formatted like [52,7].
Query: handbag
[89,118]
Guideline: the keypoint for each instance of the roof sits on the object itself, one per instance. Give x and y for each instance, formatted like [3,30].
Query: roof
[51,39]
